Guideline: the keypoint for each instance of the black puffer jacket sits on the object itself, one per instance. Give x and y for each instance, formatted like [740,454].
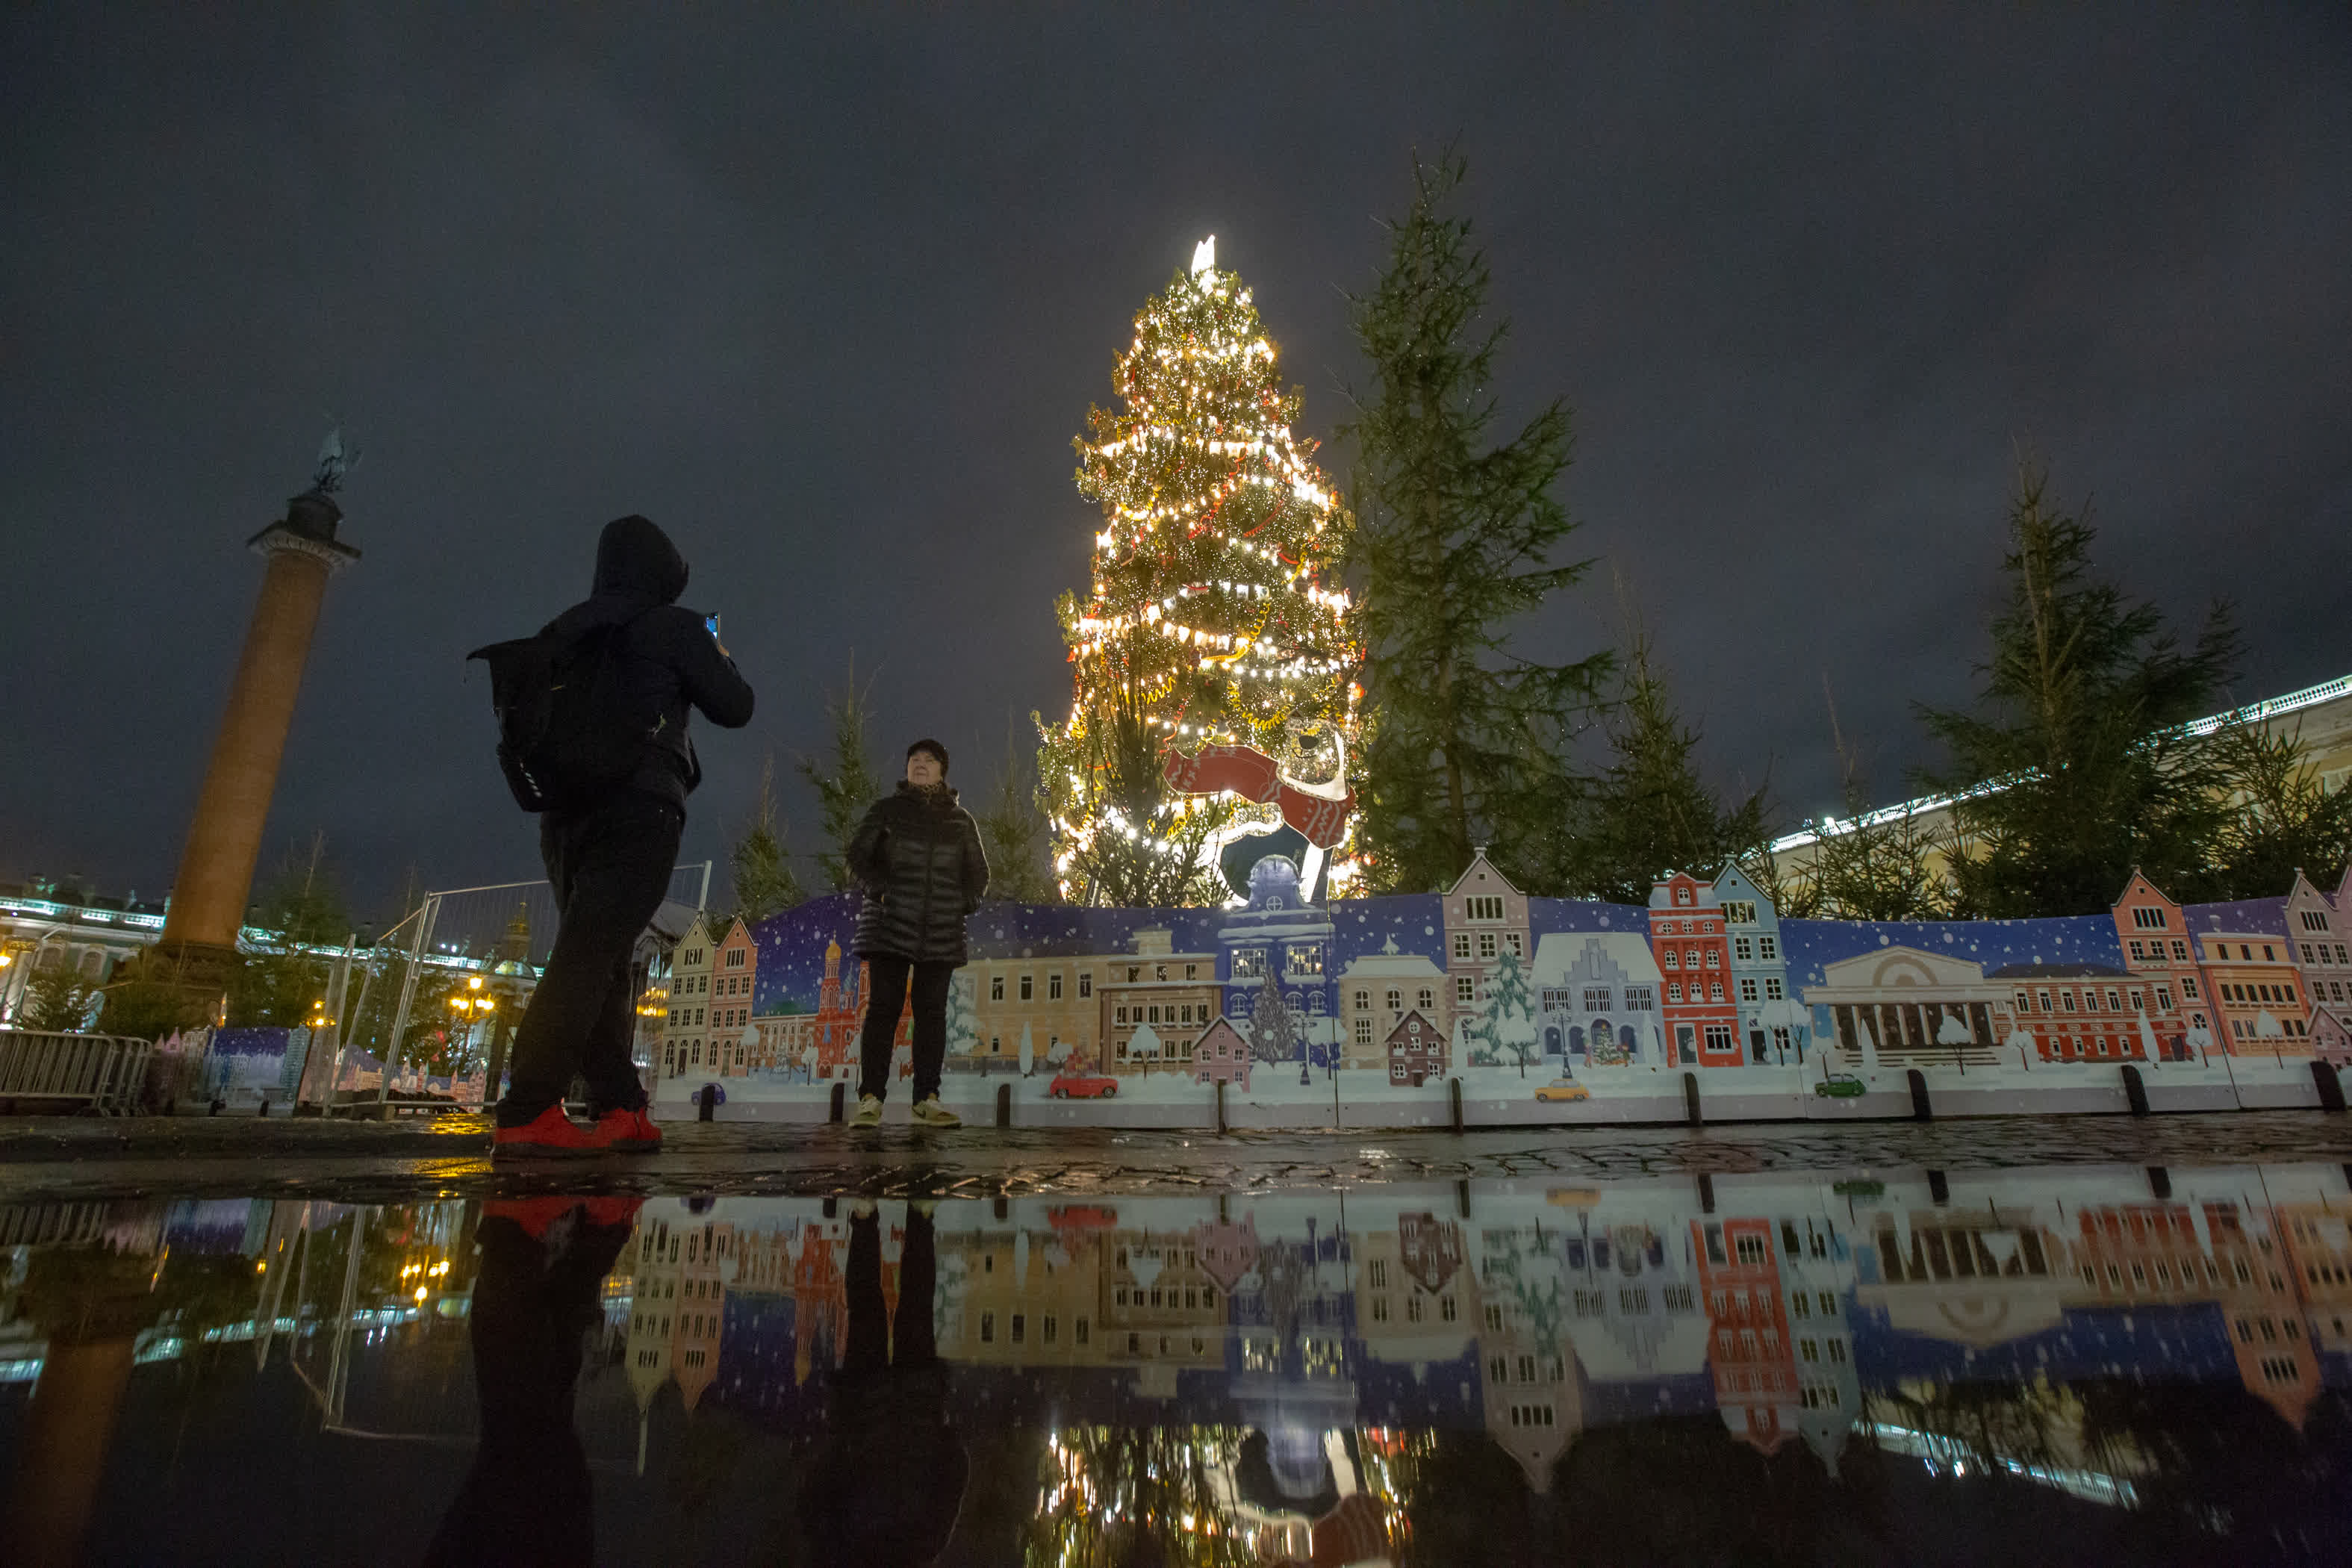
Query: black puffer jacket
[918,857]
[673,662]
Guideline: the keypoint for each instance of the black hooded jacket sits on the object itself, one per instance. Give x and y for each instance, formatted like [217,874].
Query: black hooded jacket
[673,662]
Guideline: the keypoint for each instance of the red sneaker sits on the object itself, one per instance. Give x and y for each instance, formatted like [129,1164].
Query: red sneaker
[552,1134]
[629,1132]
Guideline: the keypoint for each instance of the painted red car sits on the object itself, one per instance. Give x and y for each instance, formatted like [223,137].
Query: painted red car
[1082,1083]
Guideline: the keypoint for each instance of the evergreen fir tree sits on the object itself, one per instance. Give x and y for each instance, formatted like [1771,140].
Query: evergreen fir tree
[1014,834]
[2079,720]
[759,862]
[1208,617]
[1466,739]
[1651,812]
[845,781]
[1272,1038]
[2281,818]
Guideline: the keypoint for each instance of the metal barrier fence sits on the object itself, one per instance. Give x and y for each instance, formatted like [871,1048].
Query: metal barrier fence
[96,1073]
[497,938]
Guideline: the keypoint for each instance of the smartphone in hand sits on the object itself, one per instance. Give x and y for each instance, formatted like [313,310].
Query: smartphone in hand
[711,621]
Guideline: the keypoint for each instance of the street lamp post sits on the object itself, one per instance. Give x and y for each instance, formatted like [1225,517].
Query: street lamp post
[471,1007]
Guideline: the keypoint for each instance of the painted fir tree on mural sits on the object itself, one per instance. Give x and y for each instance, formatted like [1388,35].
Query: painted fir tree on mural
[1213,618]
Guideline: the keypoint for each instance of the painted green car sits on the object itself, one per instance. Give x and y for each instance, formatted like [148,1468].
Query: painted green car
[1839,1086]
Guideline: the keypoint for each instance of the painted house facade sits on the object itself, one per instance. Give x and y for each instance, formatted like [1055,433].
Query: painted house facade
[2258,995]
[2086,1011]
[1485,917]
[2321,928]
[2153,932]
[1276,933]
[1891,1008]
[1775,1027]
[1416,1051]
[1221,1056]
[1693,949]
[1376,990]
[1596,996]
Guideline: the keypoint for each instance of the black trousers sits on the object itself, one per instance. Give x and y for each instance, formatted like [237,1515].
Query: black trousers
[527,1501]
[611,865]
[886,979]
[875,1341]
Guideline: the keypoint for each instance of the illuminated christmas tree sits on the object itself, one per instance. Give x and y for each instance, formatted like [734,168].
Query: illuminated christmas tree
[1215,656]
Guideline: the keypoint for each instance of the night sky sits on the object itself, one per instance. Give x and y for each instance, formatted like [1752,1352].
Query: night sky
[828,299]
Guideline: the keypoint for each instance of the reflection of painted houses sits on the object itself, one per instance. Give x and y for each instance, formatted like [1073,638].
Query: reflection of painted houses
[2257,989]
[1636,1314]
[2127,1255]
[1018,1307]
[1275,933]
[2155,943]
[1596,997]
[679,1304]
[1376,990]
[1902,1006]
[1774,1025]
[1160,1309]
[1485,917]
[1221,1056]
[1416,1050]
[1534,1400]
[2080,1012]
[1751,1352]
[2318,1244]
[1817,1277]
[1973,1277]
[2321,930]
[1415,1305]
[1694,953]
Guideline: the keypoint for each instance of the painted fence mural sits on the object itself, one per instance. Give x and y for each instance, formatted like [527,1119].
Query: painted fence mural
[1366,1010]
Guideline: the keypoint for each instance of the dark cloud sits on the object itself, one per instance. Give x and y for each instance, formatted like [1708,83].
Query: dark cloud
[829,297]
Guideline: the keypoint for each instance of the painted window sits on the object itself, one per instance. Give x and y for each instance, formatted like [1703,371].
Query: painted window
[1485,945]
[1484,907]
[996,989]
[1053,988]
[1086,982]
[1028,988]
[1465,991]
[1249,963]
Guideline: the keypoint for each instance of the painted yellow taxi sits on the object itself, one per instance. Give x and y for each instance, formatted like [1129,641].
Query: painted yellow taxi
[1563,1090]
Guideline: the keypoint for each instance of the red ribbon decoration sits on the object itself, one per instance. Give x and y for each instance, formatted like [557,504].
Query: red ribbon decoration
[1253,775]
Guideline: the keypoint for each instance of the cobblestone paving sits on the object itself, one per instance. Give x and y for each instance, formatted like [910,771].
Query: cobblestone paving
[193,1157]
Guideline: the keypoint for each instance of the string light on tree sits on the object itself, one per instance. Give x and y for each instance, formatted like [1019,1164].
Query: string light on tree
[1212,615]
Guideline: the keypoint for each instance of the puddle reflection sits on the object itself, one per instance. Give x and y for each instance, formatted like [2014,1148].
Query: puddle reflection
[2056,1365]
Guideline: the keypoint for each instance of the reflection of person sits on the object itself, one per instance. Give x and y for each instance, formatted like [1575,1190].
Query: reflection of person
[609,853]
[918,857]
[889,1480]
[525,1503]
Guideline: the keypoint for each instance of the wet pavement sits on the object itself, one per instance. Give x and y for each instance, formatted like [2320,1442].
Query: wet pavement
[451,1155]
[2087,1340]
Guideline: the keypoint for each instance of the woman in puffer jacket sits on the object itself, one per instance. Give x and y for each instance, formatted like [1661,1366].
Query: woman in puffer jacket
[917,858]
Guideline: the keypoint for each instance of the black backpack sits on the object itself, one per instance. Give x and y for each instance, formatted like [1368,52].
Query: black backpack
[568,728]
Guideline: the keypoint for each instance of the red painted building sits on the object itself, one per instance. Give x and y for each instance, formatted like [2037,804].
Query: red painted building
[2084,1011]
[1700,1013]
[1416,1050]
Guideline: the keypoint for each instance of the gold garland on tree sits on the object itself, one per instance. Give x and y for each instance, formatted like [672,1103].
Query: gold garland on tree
[1212,615]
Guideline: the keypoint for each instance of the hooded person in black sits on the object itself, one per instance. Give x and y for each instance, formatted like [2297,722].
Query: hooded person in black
[610,856]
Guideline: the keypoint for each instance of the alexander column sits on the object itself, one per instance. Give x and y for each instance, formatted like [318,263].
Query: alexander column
[208,897]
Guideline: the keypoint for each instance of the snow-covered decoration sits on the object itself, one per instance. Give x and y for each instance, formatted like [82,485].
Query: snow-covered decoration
[1556,1009]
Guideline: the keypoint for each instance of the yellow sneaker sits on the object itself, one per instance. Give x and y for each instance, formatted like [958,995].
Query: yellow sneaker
[869,1111]
[931,1113]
